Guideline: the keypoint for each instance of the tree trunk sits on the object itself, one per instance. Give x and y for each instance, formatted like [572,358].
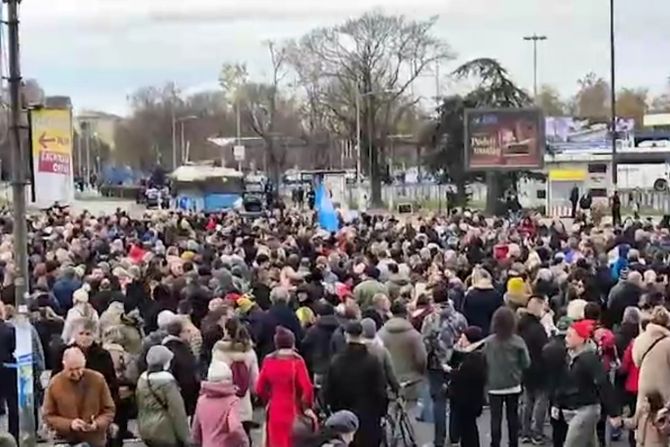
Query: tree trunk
[493,192]
[461,192]
[376,178]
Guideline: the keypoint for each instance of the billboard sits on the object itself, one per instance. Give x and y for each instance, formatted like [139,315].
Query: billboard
[504,139]
[51,147]
[565,133]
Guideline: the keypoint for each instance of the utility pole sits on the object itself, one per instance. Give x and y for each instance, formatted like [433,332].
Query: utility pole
[23,353]
[174,129]
[358,135]
[534,38]
[88,152]
[613,126]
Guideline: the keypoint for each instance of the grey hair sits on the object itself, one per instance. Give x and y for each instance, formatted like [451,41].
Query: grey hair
[279,294]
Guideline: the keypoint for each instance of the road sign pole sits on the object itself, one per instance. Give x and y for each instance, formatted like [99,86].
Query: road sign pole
[18,159]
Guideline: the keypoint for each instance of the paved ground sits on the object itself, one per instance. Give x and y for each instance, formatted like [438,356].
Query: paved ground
[424,433]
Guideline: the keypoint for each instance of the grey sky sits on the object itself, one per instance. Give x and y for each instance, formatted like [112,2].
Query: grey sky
[99,51]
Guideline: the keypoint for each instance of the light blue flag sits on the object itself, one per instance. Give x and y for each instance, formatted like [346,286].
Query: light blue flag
[324,209]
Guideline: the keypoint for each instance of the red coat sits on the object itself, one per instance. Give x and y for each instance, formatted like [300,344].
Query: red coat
[284,383]
[630,369]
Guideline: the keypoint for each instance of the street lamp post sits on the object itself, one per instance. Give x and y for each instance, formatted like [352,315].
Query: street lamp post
[613,127]
[534,38]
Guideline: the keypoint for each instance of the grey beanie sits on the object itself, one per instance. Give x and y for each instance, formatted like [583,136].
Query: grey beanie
[343,421]
[159,356]
[369,328]
[631,315]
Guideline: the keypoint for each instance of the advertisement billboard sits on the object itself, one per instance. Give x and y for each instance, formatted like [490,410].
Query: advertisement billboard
[565,133]
[51,145]
[504,139]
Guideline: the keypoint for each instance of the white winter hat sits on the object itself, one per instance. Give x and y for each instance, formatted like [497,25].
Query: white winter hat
[219,372]
[80,296]
[165,318]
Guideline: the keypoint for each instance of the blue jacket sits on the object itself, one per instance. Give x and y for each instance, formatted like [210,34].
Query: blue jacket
[63,290]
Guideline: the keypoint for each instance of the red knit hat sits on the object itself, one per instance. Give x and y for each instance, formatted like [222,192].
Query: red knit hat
[584,328]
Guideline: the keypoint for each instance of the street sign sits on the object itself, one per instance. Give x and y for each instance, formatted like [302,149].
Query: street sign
[51,144]
[238,152]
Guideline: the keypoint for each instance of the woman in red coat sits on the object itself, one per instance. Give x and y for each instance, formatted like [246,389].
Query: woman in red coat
[284,383]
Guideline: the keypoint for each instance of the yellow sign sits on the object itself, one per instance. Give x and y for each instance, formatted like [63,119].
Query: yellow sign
[567,175]
[51,131]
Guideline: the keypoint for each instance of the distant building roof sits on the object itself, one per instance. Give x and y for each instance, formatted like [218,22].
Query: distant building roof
[58,102]
[96,114]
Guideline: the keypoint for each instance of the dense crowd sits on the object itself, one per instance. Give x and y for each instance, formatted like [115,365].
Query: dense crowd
[194,325]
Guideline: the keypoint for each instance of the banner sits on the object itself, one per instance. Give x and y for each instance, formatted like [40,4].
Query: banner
[565,133]
[504,139]
[51,141]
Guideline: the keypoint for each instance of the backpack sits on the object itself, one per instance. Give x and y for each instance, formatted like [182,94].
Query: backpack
[241,377]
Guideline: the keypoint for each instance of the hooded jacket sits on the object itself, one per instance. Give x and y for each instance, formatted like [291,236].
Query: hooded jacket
[316,346]
[161,417]
[535,336]
[655,369]
[184,368]
[408,353]
[216,422]
[224,351]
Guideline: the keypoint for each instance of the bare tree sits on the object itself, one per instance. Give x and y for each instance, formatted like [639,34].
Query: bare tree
[374,57]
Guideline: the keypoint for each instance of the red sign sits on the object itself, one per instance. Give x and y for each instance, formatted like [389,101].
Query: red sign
[54,162]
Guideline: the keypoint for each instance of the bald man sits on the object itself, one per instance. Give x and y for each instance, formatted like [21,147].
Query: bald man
[78,405]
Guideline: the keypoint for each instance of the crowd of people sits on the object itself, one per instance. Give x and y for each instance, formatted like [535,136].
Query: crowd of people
[195,326]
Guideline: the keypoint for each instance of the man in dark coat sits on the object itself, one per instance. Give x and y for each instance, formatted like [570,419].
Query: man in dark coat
[184,366]
[360,389]
[535,395]
[279,314]
[316,347]
[8,374]
[64,288]
[626,293]
[466,390]
[481,301]
[574,199]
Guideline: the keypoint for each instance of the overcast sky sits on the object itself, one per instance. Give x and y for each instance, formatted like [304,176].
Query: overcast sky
[99,51]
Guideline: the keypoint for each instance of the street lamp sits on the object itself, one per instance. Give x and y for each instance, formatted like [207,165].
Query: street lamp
[181,122]
[613,98]
[535,38]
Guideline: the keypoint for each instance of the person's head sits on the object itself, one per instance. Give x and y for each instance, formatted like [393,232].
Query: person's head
[635,277]
[284,338]
[165,318]
[280,295]
[74,363]
[579,333]
[592,311]
[472,334]
[84,333]
[176,328]
[503,323]
[159,358]
[219,372]
[372,272]
[631,315]
[381,303]
[344,424]
[660,316]
[399,309]
[354,332]
[238,334]
[536,305]
[369,328]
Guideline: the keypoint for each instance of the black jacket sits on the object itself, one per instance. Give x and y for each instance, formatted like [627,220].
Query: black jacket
[533,333]
[468,380]
[49,330]
[278,315]
[586,383]
[184,368]
[622,295]
[316,347]
[97,359]
[361,389]
[479,306]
